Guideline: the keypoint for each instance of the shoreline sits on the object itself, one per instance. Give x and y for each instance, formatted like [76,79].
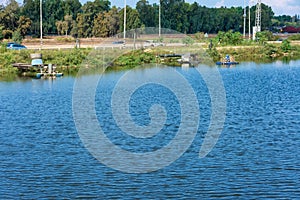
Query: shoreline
[69,60]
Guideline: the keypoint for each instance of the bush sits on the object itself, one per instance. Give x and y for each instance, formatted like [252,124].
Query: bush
[1,34]
[7,34]
[188,41]
[270,50]
[264,36]
[17,37]
[199,36]
[65,39]
[229,38]
[294,37]
[286,46]
[214,54]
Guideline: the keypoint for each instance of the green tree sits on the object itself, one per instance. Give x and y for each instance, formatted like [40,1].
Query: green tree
[147,13]
[133,20]
[24,24]
[9,16]
[84,29]
[31,9]
[59,27]
[1,34]
[106,24]
[264,36]
[175,15]
[71,8]
[188,41]
[229,38]
[266,16]
[68,23]
[17,37]
[286,46]
[52,12]
[93,8]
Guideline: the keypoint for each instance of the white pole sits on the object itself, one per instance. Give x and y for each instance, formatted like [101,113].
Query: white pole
[41,23]
[159,20]
[124,21]
[249,21]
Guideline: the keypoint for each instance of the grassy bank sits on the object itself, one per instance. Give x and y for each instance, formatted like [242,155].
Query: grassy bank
[261,53]
[70,60]
[67,61]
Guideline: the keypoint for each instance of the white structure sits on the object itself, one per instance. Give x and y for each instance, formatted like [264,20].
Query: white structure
[257,27]
[41,22]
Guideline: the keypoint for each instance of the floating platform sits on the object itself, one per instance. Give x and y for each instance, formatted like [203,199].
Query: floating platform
[48,75]
[37,68]
[227,63]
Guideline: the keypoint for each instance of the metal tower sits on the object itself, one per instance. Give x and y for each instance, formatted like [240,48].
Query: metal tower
[258,16]
[257,27]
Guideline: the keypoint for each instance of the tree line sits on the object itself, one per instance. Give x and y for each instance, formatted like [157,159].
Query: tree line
[99,18]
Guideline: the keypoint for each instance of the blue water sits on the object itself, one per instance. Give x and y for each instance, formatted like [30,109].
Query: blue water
[256,156]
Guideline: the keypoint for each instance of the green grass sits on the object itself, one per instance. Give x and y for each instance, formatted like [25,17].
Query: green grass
[71,60]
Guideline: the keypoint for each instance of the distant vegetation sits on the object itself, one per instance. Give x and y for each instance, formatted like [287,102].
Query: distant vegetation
[99,19]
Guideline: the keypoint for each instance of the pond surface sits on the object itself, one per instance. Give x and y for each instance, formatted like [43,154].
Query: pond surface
[256,156]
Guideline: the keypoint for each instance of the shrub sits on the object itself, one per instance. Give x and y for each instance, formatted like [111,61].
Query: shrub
[294,37]
[264,36]
[65,39]
[229,38]
[286,46]
[1,34]
[271,50]
[199,36]
[7,34]
[188,41]
[17,37]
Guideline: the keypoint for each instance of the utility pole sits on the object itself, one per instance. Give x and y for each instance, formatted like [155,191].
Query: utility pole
[249,20]
[41,22]
[124,22]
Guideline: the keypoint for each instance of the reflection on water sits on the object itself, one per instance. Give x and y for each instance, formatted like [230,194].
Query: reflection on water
[257,155]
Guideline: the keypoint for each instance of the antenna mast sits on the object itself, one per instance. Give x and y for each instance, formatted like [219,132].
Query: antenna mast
[258,16]
[257,27]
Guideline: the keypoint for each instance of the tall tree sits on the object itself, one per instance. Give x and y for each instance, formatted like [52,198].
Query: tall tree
[24,24]
[106,24]
[31,9]
[72,7]
[9,16]
[83,28]
[147,13]
[52,12]
[132,21]
[174,15]
[93,8]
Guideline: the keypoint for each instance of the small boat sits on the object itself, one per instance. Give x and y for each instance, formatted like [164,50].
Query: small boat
[228,60]
[227,63]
